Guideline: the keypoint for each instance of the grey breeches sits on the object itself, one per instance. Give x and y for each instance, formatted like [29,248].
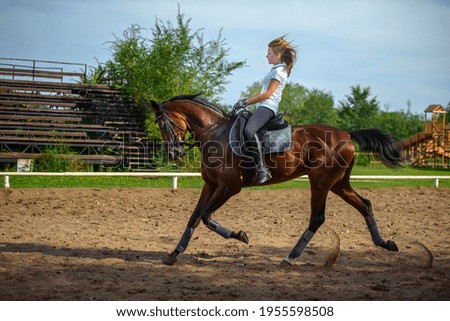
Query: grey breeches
[259,118]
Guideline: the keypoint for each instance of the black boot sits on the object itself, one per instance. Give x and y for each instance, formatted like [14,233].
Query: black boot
[263,172]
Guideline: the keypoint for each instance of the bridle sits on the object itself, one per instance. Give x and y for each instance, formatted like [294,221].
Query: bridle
[175,144]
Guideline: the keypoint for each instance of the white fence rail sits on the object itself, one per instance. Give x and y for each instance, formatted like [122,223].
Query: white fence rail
[175,176]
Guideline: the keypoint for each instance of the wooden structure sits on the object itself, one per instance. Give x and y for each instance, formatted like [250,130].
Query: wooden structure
[95,121]
[430,147]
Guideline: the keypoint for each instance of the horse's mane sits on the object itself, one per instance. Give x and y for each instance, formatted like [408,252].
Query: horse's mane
[202,101]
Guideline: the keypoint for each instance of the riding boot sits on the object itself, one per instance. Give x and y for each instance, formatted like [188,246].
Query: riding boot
[263,172]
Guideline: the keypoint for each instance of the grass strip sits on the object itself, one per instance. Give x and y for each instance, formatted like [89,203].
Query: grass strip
[196,182]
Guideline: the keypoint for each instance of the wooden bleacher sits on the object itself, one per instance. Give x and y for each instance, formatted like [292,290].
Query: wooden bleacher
[95,121]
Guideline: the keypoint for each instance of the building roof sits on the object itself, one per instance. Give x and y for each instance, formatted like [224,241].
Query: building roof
[435,109]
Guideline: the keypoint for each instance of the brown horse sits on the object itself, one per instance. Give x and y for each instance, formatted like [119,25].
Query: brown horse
[323,153]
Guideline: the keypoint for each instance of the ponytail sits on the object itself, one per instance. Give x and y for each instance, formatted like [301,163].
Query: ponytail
[286,51]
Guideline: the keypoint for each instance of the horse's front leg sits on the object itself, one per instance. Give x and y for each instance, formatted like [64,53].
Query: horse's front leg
[194,221]
[210,200]
[221,195]
[224,232]
[318,202]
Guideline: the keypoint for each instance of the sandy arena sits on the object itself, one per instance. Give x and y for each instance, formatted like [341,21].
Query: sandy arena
[91,244]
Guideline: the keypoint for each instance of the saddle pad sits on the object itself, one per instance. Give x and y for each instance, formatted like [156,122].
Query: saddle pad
[273,141]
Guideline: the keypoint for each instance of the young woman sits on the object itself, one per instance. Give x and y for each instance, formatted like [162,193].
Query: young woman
[281,55]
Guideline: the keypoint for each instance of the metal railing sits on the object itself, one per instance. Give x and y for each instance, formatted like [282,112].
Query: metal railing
[39,69]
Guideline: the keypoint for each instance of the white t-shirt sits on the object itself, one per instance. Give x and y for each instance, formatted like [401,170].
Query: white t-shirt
[278,72]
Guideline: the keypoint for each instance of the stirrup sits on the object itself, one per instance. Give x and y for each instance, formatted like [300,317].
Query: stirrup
[263,175]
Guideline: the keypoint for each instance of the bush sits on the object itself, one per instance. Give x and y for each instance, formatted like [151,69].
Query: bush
[362,159]
[53,160]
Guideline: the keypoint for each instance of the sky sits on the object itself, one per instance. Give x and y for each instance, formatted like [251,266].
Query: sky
[400,48]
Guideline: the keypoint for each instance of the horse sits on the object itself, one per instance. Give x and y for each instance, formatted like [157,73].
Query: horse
[324,153]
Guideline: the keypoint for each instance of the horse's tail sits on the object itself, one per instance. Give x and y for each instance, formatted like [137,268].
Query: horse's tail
[380,144]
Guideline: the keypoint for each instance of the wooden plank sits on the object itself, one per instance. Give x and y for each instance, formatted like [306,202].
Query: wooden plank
[42,118]
[101,92]
[25,74]
[42,97]
[43,133]
[131,133]
[113,114]
[67,94]
[36,89]
[64,85]
[55,126]
[91,159]
[13,110]
[37,103]
[50,141]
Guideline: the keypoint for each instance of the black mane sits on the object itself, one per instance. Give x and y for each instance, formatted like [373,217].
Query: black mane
[200,100]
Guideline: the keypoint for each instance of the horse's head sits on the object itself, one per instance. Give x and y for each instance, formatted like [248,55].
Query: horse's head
[173,130]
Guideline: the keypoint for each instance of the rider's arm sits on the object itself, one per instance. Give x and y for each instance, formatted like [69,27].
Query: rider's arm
[265,95]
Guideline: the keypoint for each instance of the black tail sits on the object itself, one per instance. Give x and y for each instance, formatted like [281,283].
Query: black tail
[381,145]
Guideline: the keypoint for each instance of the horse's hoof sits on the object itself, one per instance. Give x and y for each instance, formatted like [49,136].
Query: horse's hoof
[392,246]
[243,237]
[169,260]
[286,263]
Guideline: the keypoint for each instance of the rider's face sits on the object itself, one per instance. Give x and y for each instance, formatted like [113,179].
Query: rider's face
[272,57]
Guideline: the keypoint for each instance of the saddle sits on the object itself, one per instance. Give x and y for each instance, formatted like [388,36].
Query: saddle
[275,135]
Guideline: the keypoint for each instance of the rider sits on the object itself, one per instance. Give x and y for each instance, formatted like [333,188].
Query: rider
[281,55]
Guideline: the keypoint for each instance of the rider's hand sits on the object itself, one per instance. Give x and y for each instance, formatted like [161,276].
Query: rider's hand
[241,104]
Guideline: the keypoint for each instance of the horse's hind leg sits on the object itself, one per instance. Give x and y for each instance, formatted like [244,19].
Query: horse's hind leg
[318,202]
[348,194]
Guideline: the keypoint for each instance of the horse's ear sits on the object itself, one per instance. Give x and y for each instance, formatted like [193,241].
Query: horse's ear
[154,106]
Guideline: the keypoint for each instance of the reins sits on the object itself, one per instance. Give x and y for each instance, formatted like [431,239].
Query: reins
[175,141]
[173,137]
[217,123]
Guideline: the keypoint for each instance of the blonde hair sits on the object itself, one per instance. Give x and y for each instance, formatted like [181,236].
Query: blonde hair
[286,51]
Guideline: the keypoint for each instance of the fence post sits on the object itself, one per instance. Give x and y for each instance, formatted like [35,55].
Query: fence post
[436,183]
[174,182]
[6,181]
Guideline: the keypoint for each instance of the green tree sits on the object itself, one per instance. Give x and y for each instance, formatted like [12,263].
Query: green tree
[400,124]
[293,102]
[176,60]
[447,108]
[252,90]
[319,108]
[301,105]
[358,110]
